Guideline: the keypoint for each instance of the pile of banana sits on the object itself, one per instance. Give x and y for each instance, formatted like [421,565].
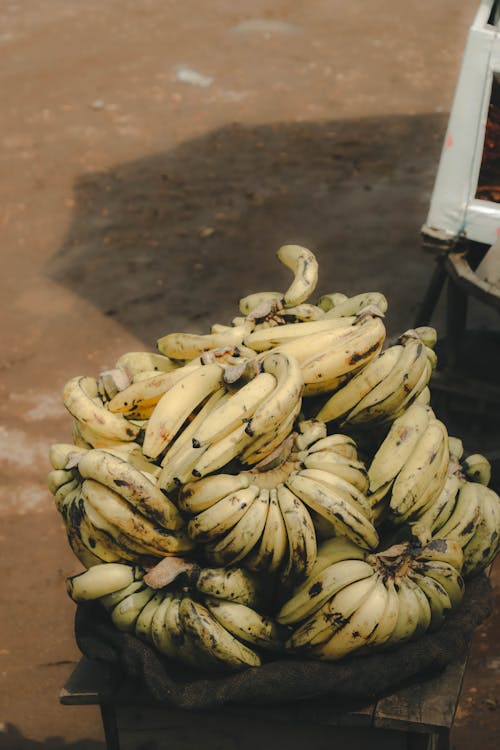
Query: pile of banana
[291,458]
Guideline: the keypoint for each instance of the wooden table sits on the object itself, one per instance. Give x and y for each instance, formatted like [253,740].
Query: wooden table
[416,717]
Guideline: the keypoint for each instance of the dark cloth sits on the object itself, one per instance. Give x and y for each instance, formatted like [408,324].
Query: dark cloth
[355,678]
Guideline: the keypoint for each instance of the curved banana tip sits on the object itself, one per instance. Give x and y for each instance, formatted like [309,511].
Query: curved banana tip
[304,265]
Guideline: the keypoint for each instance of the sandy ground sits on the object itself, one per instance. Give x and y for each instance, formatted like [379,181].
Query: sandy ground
[134,202]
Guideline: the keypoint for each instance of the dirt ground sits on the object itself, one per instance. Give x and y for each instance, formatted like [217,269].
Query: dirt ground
[154,155]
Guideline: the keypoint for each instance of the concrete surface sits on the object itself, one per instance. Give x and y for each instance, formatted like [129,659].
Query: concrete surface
[154,155]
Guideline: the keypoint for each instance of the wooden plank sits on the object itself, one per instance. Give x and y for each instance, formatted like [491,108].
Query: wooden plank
[192,730]
[425,706]
[91,683]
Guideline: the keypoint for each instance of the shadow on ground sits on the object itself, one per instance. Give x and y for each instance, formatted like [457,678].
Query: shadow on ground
[173,240]
[12,739]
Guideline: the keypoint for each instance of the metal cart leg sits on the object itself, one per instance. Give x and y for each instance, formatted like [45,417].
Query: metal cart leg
[432,294]
[456,318]
[110,727]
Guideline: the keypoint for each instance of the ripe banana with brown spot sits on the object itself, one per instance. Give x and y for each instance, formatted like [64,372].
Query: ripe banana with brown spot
[398,445]
[81,399]
[117,512]
[243,536]
[187,346]
[477,468]
[131,484]
[346,518]
[354,305]
[263,339]
[418,470]
[348,396]
[387,396]
[484,544]
[213,639]
[143,395]
[230,584]
[214,522]
[176,405]
[246,624]
[353,352]
[270,552]
[302,546]
[304,266]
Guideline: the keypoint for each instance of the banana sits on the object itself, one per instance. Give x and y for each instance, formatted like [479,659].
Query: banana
[244,535]
[345,488]
[354,305]
[131,484]
[145,394]
[387,623]
[481,549]
[338,443]
[128,547]
[253,301]
[246,624]
[439,512]
[100,580]
[327,301]
[210,636]
[427,335]
[263,339]
[352,471]
[273,546]
[310,431]
[441,550]
[387,396]
[409,613]
[334,550]
[425,619]
[64,496]
[346,398]
[345,359]
[436,595]
[303,313]
[104,547]
[230,584]
[262,448]
[464,517]
[302,547]
[143,623]
[118,513]
[185,438]
[398,445]
[109,601]
[136,362]
[58,478]
[220,453]
[62,453]
[303,349]
[415,395]
[424,398]
[304,266]
[126,613]
[432,491]
[239,408]
[456,448]
[81,399]
[360,626]
[320,588]
[162,636]
[445,574]
[176,405]
[196,497]
[187,346]
[419,468]
[212,523]
[477,468]
[333,615]
[344,516]
[87,558]
[281,401]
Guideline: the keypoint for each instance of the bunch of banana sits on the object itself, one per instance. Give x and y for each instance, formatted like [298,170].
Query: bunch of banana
[268,518]
[353,600]
[389,383]
[247,424]
[220,629]
[409,470]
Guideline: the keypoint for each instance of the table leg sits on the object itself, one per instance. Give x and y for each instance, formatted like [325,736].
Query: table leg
[110,727]
[432,294]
